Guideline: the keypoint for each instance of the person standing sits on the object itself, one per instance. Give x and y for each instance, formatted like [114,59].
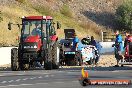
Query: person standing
[118,48]
[126,39]
[75,42]
[93,42]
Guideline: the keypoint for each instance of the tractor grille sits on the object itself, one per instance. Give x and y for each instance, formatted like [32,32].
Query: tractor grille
[30,55]
[29,47]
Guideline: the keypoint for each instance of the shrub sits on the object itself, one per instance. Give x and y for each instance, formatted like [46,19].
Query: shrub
[124,16]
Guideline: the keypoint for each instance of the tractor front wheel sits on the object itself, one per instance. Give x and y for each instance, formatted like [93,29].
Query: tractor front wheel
[14,59]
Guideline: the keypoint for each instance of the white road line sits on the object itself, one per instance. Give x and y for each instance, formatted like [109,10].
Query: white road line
[25,79]
[33,78]
[46,76]
[18,80]
[13,85]
[26,84]
[4,82]
[2,75]
[40,77]
[16,85]
[10,81]
[41,83]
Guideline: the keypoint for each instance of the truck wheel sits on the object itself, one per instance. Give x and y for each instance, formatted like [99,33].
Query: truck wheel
[55,56]
[14,59]
[48,60]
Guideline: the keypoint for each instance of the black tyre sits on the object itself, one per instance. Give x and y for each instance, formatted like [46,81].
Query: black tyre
[122,65]
[14,59]
[48,60]
[86,82]
[48,65]
[55,56]
[78,58]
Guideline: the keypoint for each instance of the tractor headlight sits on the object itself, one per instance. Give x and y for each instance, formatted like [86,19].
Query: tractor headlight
[35,46]
[25,47]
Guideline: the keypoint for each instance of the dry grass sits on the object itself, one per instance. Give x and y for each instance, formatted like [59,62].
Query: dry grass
[91,29]
[13,13]
[66,11]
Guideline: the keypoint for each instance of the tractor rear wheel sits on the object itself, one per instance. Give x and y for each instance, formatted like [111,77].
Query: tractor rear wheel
[14,59]
[55,56]
[48,60]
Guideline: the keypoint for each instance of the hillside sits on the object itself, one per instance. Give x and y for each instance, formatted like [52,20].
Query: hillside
[88,17]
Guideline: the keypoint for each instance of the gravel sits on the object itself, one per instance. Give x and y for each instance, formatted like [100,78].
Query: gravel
[104,61]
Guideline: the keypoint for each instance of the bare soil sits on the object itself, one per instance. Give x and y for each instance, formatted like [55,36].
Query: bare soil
[104,61]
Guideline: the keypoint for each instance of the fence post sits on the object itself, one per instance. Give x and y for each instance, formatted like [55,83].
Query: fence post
[102,37]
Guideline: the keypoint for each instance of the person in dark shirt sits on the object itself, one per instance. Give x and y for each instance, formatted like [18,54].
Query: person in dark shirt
[93,42]
[126,39]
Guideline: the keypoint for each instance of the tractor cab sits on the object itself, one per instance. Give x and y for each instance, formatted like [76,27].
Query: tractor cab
[36,31]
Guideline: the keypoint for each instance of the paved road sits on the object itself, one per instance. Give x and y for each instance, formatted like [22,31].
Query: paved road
[62,78]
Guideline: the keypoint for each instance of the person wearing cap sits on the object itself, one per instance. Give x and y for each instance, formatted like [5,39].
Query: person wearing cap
[77,47]
[118,48]
[86,40]
[36,30]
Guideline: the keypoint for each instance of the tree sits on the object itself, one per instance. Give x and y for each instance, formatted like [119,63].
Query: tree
[124,16]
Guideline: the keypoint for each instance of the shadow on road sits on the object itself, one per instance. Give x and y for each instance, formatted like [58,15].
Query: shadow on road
[99,68]
[72,68]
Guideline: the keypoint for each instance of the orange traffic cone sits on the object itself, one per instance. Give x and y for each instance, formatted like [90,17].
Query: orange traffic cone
[84,73]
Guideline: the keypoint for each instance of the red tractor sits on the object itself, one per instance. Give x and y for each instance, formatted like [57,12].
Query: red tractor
[128,53]
[37,44]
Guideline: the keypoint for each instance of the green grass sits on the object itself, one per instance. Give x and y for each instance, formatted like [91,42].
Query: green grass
[65,10]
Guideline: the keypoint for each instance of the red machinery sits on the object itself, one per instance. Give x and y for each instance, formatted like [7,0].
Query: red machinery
[36,47]
[128,52]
